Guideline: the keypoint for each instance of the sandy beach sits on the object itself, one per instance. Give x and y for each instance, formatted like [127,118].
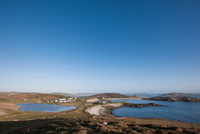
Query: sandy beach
[96,110]
[100,110]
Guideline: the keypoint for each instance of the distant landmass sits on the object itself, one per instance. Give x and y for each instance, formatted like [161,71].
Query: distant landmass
[60,93]
[185,99]
[177,94]
[111,95]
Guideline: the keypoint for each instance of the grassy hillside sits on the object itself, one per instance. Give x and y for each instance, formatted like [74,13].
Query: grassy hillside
[111,95]
[26,97]
[107,125]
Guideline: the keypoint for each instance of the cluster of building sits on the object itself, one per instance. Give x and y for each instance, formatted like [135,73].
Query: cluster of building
[71,99]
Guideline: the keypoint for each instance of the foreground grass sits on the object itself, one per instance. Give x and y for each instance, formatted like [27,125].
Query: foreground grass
[9,126]
[103,125]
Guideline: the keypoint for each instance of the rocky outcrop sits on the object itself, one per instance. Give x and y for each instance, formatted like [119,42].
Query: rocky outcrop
[127,104]
[141,105]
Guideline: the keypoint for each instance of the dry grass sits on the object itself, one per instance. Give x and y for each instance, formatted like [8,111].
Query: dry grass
[111,125]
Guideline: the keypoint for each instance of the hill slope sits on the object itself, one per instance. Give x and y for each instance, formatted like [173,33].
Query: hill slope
[111,95]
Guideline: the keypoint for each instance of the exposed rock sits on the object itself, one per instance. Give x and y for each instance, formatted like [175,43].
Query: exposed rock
[105,123]
[127,104]
[141,105]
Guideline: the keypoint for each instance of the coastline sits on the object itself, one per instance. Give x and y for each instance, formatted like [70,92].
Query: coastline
[106,110]
[96,110]
[101,109]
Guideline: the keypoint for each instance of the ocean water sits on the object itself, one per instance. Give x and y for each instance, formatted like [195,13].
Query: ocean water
[44,107]
[177,111]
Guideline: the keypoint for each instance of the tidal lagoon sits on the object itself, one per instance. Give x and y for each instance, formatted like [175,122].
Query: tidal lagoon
[44,107]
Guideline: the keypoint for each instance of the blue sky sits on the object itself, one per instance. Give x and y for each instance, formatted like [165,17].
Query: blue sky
[75,46]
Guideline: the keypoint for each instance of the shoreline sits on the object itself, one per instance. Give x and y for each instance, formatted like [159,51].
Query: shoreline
[101,109]
[96,110]
[107,109]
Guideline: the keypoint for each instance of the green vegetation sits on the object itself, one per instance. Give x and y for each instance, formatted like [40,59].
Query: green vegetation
[27,97]
[108,110]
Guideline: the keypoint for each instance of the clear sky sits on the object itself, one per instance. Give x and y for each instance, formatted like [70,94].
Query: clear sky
[76,46]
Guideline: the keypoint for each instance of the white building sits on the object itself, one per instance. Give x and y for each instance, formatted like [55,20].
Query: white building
[65,100]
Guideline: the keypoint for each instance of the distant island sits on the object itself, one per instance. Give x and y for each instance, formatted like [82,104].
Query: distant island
[184,98]
[178,94]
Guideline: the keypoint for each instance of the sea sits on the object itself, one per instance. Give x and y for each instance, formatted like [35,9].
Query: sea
[177,111]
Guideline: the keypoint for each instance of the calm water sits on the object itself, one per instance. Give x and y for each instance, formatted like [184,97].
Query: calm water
[44,107]
[178,111]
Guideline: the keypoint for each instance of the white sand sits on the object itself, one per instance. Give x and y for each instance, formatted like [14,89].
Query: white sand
[96,110]
[100,110]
